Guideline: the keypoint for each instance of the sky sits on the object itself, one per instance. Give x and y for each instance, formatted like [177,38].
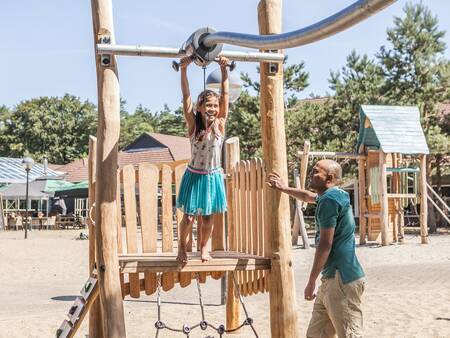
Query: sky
[48,50]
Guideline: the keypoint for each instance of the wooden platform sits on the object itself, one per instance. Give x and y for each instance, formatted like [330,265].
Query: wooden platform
[166,262]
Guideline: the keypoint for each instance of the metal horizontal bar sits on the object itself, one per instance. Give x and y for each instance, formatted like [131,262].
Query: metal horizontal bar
[335,23]
[167,52]
[253,56]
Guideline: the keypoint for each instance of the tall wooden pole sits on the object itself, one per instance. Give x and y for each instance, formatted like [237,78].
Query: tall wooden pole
[283,312]
[396,201]
[299,226]
[401,219]
[232,158]
[95,318]
[108,131]
[423,200]
[303,174]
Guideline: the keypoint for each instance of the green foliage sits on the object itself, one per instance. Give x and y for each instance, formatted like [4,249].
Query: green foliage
[295,81]
[244,121]
[133,125]
[144,121]
[171,123]
[58,128]
[5,114]
[415,70]
[358,82]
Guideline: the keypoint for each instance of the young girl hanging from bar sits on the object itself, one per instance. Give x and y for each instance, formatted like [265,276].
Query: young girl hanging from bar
[202,189]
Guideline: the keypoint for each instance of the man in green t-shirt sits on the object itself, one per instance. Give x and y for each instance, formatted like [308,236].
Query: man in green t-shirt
[337,308]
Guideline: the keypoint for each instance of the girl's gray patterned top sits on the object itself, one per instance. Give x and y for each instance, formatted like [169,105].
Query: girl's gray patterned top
[207,153]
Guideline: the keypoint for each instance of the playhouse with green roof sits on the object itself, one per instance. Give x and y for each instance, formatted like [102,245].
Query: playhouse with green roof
[392,167]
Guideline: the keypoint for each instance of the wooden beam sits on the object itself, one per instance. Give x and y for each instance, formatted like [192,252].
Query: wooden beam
[423,200]
[283,307]
[108,131]
[407,196]
[438,197]
[90,302]
[95,315]
[232,158]
[384,219]
[372,215]
[439,209]
[166,262]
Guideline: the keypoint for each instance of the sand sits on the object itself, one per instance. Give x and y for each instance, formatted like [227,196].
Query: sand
[408,291]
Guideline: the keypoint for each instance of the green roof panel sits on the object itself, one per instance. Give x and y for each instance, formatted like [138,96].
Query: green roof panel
[394,129]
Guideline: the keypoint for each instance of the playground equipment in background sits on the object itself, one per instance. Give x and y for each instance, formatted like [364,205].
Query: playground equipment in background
[391,171]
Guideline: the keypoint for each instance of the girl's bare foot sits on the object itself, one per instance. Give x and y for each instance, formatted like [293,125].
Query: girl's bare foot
[205,254]
[182,256]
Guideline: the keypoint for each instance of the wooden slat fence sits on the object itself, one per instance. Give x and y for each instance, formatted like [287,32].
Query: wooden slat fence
[148,222]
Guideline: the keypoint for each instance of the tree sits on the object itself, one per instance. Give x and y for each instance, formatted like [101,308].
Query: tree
[358,82]
[244,121]
[244,118]
[5,114]
[58,128]
[171,123]
[133,125]
[416,73]
[144,121]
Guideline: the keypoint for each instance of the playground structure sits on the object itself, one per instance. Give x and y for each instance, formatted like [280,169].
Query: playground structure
[391,172]
[258,241]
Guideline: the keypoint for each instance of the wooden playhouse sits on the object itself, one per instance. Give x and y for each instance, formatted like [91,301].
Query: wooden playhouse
[391,156]
[392,171]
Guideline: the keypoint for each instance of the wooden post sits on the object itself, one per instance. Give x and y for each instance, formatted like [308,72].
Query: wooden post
[283,311]
[362,198]
[299,219]
[384,212]
[423,200]
[232,158]
[401,219]
[108,131]
[396,201]
[95,319]
[304,168]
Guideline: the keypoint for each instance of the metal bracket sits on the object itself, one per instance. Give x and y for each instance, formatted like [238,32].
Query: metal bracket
[272,67]
[105,59]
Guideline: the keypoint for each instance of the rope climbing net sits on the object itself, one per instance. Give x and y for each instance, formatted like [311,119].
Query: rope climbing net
[203,324]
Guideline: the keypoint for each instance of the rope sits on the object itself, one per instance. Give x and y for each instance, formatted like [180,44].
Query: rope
[186,329]
[204,78]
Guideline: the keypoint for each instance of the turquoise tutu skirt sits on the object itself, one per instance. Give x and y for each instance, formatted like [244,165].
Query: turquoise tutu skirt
[202,192]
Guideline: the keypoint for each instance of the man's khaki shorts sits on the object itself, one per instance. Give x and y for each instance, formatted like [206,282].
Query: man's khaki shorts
[337,309]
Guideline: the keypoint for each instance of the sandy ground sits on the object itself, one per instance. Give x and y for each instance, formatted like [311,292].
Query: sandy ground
[408,292]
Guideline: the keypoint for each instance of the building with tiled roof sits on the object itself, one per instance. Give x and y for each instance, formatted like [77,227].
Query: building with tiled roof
[149,147]
[179,147]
